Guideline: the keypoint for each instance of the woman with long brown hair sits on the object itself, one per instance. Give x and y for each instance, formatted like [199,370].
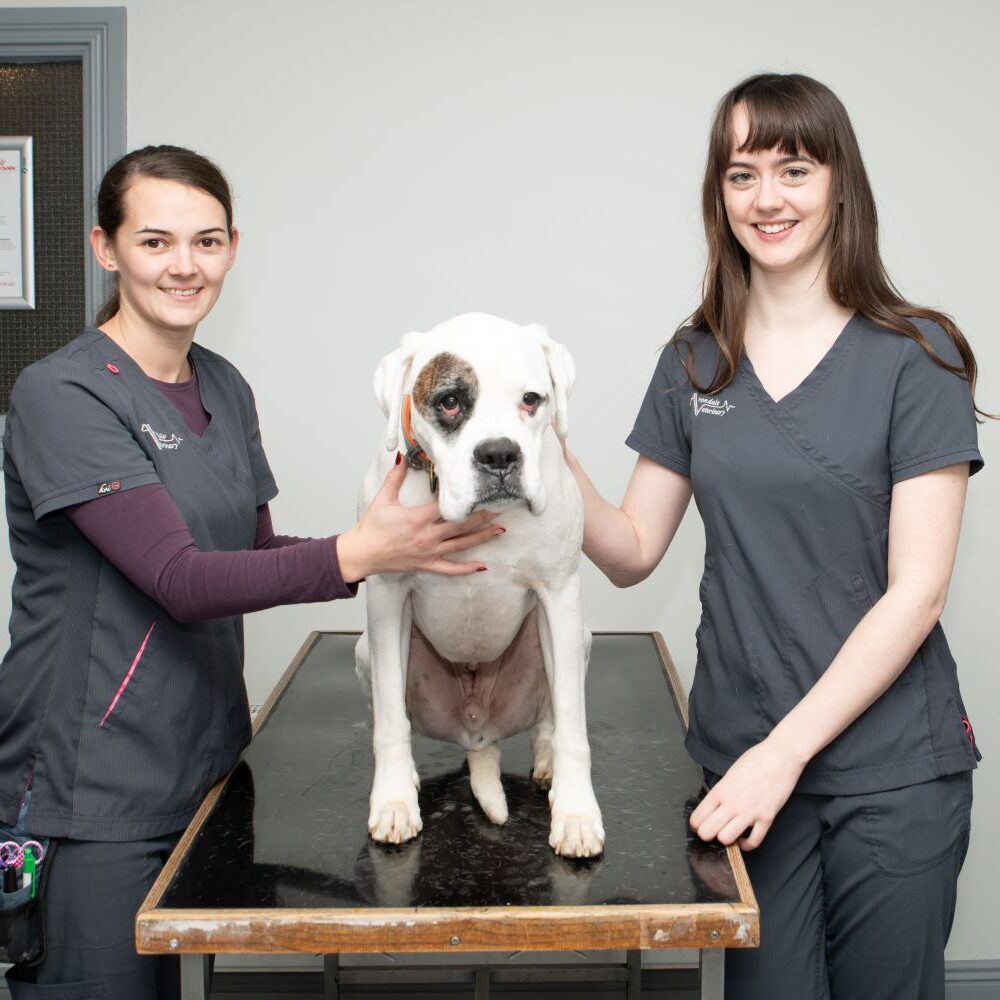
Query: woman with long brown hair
[826,428]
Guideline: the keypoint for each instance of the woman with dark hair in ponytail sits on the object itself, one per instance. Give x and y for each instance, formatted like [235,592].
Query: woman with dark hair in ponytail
[137,500]
[827,430]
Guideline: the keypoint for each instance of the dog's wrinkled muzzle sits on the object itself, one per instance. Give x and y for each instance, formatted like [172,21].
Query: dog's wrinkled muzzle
[498,463]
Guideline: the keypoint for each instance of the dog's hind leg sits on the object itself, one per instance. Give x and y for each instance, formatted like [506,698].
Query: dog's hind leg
[484,776]
[363,665]
[541,735]
[541,747]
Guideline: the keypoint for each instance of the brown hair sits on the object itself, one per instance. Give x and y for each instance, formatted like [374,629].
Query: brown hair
[799,115]
[169,163]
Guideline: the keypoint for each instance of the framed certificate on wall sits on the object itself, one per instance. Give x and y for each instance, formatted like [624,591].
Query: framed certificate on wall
[17,243]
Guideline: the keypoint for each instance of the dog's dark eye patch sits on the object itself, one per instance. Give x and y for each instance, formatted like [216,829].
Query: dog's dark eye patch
[445,391]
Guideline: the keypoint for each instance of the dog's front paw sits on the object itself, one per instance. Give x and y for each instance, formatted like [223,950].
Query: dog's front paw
[394,814]
[395,821]
[577,830]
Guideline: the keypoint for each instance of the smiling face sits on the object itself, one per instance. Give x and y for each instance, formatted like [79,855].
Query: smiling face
[482,401]
[777,203]
[171,253]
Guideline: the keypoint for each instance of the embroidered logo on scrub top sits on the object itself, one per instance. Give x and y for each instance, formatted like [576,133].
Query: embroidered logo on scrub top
[710,404]
[161,441]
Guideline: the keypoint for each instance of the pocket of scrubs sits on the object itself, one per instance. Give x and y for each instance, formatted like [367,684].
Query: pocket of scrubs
[912,829]
[21,989]
[22,915]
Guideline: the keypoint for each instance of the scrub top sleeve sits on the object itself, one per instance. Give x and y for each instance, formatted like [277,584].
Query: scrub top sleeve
[933,421]
[263,478]
[661,430]
[68,436]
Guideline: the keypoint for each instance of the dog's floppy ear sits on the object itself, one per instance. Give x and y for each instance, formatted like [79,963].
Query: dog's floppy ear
[562,371]
[388,384]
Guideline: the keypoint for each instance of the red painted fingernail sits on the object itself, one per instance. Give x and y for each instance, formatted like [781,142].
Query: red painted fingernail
[399,458]
[482,569]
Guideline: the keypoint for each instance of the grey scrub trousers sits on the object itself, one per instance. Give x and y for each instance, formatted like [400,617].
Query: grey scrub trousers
[795,498]
[94,891]
[115,720]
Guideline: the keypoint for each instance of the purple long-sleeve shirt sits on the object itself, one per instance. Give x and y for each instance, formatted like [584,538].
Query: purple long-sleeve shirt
[191,585]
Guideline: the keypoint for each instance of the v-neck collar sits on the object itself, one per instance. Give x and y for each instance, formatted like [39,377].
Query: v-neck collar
[113,354]
[814,379]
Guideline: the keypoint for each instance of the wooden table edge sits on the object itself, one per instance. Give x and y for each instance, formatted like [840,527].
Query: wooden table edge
[523,928]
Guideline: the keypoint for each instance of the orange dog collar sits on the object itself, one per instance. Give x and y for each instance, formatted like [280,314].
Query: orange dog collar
[416,457]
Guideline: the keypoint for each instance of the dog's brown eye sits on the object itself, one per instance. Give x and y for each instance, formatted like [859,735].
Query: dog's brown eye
[450,405]
[530,400]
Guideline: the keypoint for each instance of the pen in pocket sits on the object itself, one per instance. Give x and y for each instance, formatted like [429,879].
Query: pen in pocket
[29,873]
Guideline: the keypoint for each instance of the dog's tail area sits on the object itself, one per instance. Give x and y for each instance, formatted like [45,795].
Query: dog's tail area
[484,776]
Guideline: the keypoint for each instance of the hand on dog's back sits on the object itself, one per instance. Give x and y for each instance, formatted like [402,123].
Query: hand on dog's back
[391,538]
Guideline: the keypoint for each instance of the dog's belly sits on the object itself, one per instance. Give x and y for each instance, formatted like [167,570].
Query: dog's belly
[476,704]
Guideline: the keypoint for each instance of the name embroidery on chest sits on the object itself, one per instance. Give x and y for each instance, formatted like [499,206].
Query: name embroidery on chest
[162,442]
[711,405]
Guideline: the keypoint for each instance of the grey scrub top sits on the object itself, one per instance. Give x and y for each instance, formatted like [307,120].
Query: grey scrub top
[117,717]
[795,499]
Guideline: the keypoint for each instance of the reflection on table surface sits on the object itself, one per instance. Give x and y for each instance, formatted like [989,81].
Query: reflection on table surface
[290,829]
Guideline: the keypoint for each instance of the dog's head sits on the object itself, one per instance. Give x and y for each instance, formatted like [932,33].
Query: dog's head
[482,394]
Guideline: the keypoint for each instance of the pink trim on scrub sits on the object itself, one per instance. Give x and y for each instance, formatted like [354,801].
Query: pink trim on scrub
[128,676]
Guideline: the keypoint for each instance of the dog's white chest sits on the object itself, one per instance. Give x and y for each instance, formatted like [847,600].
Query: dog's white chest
[471,621]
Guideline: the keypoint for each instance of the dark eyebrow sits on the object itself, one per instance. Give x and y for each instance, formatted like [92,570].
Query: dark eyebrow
[783,162]
[166,232]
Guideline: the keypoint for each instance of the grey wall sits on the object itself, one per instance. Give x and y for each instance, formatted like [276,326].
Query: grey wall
[396,163]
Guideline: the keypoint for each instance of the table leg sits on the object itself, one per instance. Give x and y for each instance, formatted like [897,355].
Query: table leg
[195,977]
[633,966]
[712,962]
[331,977]
[483,984]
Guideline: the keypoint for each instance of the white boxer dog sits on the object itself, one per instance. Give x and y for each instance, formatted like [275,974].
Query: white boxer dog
[474,659]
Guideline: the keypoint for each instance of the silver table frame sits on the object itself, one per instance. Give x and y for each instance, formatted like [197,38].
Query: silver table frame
[196,975]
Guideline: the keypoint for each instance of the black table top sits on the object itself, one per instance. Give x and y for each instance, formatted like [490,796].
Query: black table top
[289,829]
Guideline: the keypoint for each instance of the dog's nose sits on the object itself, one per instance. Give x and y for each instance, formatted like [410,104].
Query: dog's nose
[497,454]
